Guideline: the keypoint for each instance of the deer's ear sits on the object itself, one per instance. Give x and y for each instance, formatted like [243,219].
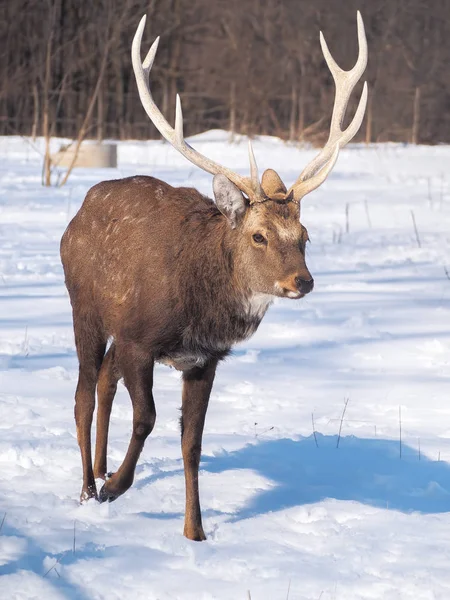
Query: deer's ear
[229,199]
[271,184]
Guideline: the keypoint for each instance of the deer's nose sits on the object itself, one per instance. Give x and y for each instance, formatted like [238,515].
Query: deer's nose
[304,286]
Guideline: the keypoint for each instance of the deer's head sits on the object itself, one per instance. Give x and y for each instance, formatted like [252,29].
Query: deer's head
[268,236]
[265,215]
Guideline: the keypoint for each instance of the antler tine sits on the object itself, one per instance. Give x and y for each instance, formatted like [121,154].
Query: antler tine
[344,81]
[309,185]
[254,175]
[179,120]
[251,187]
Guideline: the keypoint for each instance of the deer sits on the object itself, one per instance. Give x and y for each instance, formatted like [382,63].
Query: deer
[158,274]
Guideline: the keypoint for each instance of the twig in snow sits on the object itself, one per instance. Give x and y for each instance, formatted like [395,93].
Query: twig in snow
[265,431]
[415,229]
[342,420]
[400,429]
[314,429]
[26,348]
[74,538]
[51,568]
[430,195]
[1,524]
[366,206]
[337,236]
[347,221]
[289,589]
[249,596]
[56,563]
[447,273]
[439,456]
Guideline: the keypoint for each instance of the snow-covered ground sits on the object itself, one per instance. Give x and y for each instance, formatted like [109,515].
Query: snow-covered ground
[287,514]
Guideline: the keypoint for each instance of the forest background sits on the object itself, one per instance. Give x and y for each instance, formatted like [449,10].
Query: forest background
[247,66]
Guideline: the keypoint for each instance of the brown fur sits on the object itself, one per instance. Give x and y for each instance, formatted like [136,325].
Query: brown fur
[160,271]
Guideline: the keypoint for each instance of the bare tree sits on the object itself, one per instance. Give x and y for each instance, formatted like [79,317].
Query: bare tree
[231,61]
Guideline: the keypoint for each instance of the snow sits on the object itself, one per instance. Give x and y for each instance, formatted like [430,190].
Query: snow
[287,513]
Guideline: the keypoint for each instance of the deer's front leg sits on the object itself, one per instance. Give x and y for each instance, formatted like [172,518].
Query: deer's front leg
[197,384]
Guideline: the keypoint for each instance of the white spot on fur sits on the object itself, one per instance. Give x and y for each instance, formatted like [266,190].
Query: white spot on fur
[183,362]
[258,304]
[286,293]
[278,288]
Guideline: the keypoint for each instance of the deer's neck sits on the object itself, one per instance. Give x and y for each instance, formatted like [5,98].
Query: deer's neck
[220,308]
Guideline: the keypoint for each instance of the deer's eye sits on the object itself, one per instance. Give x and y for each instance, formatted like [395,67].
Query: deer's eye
[258,238]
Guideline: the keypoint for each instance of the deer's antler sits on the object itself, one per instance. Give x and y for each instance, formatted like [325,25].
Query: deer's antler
[315,173]
[249,185]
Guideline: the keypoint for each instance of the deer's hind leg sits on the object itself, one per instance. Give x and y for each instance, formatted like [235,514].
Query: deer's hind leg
[138,378]
[106,390]
[90,343]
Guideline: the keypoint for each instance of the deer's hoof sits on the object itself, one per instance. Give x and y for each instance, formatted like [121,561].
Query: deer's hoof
[107,495]
[88,493]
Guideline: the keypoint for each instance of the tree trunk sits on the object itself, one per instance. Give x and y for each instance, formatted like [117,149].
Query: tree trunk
[46,108]
[232,125]
[301,109]
[100,115]
[174,61]
[293,117]
[416,116]
[84,126]
[119,100]
[35,112]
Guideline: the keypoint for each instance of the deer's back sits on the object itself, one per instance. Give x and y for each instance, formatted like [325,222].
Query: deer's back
[121,253]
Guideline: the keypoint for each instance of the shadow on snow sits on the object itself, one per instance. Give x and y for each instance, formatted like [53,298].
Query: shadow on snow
[369,471]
